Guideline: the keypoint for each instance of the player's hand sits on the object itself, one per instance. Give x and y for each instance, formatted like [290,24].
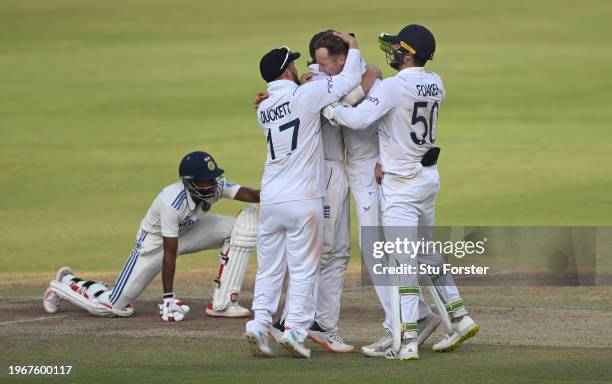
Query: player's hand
[259,97]
[350,40]
[378,173]
[328,113]
[172,308]
[307,77]
[375,70]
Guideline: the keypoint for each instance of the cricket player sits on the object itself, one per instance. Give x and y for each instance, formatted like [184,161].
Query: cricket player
[405,108]
[177,223]
[335,253]
[293,185]
[362,154]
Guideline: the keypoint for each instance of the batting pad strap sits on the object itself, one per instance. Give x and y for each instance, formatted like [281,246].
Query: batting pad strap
[409,291]
[454,306]
[409,327]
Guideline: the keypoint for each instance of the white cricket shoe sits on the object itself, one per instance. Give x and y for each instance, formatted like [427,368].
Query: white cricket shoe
[51,301]
[258,342]
[462,330]
[330,340]
[380,347]
[232,310]
[427,326]
[408,351]
[292,344]
[126,311]
[275,332]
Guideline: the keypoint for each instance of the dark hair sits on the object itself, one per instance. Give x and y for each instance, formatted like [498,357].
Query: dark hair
[313,41]
[418,61]
[335,45]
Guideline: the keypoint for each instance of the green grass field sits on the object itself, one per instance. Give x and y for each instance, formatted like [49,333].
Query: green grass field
[99,101]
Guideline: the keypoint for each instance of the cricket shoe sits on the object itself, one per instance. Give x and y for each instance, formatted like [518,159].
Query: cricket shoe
[462,330]
[380,347]
[232,310]
[427,326]
[291,343]
[258,342]
[276,331]
[113,311]
[408,351]
[126,311]
[329,339]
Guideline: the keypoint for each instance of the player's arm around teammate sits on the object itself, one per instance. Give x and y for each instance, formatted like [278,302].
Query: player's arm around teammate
[290,230]
[335,252]
[405,108]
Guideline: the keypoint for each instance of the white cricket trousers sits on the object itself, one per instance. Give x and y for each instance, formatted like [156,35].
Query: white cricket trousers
[407,204]
[289,237]
[145,261]
[335,253]
[368,215]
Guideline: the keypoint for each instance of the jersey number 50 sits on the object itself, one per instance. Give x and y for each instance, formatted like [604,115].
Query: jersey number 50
[295,124]
[430,126]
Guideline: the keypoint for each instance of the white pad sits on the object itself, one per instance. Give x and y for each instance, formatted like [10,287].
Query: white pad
[396,320]
[82,297]
[234,258]
[448,327]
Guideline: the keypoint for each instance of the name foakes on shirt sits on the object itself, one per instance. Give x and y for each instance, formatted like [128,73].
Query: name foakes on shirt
[427,89]
[273,114]
[422,90]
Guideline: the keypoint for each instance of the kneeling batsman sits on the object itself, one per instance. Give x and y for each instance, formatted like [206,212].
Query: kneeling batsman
[177,223]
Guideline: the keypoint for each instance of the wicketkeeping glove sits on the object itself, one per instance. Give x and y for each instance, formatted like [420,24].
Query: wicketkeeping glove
[172,309]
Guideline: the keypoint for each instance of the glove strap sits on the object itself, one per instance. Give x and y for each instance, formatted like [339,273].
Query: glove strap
[168,297]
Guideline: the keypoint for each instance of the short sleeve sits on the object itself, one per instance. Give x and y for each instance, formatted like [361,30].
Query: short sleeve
[169,219]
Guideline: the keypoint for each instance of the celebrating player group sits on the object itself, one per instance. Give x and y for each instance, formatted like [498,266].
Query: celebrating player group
[342,128]
[339,127]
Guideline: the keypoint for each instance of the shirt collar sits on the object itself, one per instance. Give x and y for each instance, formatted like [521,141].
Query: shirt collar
[277,85]
[314,68]
[190,203]
[411,70]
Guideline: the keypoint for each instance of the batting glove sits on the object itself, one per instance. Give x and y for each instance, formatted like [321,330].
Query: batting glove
[172,309]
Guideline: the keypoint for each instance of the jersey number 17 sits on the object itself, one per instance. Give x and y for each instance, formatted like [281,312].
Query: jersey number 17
[283,139]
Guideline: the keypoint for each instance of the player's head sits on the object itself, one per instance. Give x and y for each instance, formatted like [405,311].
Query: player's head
[312,45]
[413,46]
[278,64]
[330,53]
[202,177]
